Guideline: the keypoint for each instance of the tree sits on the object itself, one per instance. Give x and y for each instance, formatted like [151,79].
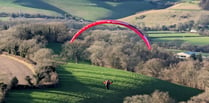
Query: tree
[204,4]
[43,57]
[74,51]
[28,47]
[28,79]
[96,51]
[203,25]
[3,87]
[38,77]
[153,67]
[14,82]
[113,57]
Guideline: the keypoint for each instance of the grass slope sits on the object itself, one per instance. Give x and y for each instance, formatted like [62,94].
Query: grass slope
[82,83]
[28,6]
[191,38]
[99,9]
[87,9]
[179,13]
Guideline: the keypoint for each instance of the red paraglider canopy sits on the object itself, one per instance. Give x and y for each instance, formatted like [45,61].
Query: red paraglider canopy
[137,31]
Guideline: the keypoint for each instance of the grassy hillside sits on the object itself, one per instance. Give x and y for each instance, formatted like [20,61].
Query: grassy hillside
[191,38]
[99,9]
[179,13]
[83,83]
[27,6]
[87,9]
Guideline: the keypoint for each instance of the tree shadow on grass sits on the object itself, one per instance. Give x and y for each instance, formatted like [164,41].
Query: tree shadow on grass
[69,87]
[39,4]
[124,8]
[140,85]
[179,93]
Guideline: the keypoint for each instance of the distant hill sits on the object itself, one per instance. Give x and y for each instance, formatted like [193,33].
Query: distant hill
[87,9]
[178,13]
[147,13]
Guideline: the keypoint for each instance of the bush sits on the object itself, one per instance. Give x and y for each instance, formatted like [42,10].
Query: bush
[3,89]
[28,79]
[13,82]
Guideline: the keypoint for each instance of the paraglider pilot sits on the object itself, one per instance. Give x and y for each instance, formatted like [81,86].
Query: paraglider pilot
[107,83]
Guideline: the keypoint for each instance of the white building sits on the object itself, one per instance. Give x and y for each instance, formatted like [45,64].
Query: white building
[184,55]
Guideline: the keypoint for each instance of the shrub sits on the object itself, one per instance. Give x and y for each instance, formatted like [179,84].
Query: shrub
[13,82]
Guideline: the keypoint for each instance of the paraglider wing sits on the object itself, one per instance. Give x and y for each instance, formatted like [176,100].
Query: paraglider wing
[137,31]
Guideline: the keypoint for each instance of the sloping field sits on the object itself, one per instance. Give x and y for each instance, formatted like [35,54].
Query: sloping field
[87,9]
[16,6]
[82,83]
[10,68]
[101,9]
[179,13]
[191,38]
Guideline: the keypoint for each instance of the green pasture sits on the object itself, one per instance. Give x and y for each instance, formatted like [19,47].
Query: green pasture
[191,38]
[83,83]
[87,9]
[27,6]
[96,9]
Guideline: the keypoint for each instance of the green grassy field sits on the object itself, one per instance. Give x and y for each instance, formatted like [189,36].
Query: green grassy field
[172,15]
[95,9]
[23,6]
[87,9]
[82,83]
[191,38]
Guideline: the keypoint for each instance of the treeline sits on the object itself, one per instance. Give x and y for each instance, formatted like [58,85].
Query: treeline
[27,15]
[178,44]
[120,49]
[180,27]
[201,26]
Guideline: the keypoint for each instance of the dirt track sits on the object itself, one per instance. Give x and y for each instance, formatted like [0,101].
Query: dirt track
[10,67]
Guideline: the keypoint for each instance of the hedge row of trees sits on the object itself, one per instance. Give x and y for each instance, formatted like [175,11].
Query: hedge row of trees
[27,15]
[180,27]
[178,44]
